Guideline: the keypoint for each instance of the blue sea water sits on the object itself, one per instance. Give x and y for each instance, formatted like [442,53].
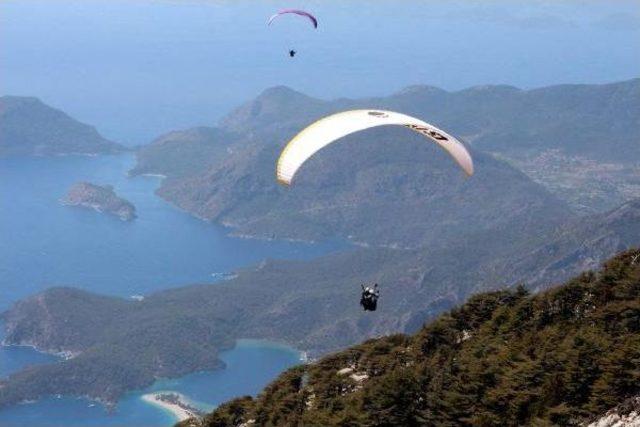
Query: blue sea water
[249,367]
[135,69]
[44,243]
[13,359]
[138,68]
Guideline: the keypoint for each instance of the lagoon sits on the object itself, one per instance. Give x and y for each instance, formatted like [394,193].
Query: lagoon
[44,243]
[249,367]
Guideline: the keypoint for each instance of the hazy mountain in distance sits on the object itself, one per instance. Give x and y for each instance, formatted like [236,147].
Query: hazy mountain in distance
[579,245]
[358,185]
[595,121]
[29,127]
[185,152]
[388,191]
[580,141]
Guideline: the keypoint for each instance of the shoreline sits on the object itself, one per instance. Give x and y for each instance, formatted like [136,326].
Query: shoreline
[176,409]
[62,354]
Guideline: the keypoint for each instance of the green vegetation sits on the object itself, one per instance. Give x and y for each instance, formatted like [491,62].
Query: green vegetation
[116,345]
[562,137]
[504,358]
[448,238]
[123,345]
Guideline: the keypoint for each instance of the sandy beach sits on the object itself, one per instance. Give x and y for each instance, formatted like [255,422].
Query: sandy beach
[178,412]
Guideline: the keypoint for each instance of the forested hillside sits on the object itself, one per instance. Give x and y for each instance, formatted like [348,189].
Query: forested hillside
[504,358]
[578,142]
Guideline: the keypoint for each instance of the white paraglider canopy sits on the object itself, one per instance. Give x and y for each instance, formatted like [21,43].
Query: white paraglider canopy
[331,128]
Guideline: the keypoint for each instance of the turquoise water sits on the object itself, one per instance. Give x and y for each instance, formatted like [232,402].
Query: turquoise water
[135,69]
[44,244]
[250,366]
[138,68]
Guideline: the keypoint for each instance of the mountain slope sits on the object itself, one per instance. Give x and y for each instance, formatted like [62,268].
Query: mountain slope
[312,305]
[597,121]
[183,153]
[386,186]
[504,358]
[579,245]
[29,127]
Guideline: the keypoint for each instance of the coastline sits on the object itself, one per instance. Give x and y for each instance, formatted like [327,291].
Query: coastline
[177,410]
[62,354]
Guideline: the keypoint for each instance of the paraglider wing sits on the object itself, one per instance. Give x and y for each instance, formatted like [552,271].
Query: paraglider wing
[331,128]
[299,12]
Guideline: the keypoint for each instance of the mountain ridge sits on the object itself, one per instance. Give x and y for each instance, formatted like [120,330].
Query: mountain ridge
[30,127]
[238,190]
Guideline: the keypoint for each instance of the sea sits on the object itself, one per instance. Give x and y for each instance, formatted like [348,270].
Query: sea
[44,243]
[137,69]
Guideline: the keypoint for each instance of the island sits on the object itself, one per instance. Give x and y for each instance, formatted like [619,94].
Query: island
[175,403]
[100,198]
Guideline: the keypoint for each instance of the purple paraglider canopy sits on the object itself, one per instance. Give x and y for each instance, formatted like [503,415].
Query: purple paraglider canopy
[312,18]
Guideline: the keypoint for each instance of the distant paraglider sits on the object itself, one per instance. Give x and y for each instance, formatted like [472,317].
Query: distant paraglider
[312,19]
[329,129]
[302,13]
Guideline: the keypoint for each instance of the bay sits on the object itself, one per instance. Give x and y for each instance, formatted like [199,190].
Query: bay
[249,367]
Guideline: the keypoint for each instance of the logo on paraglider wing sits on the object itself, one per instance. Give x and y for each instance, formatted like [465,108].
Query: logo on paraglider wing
[379,114]
[428,132]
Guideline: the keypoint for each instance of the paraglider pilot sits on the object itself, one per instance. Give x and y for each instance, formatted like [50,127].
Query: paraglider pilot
[369,298]
[292,53]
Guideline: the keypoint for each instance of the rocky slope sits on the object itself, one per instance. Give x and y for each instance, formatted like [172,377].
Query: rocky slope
[626,414]
[101,199]
[28,127]
[504,358]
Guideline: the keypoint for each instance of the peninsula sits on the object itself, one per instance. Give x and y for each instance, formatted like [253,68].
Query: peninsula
[174,403]
[29,127]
